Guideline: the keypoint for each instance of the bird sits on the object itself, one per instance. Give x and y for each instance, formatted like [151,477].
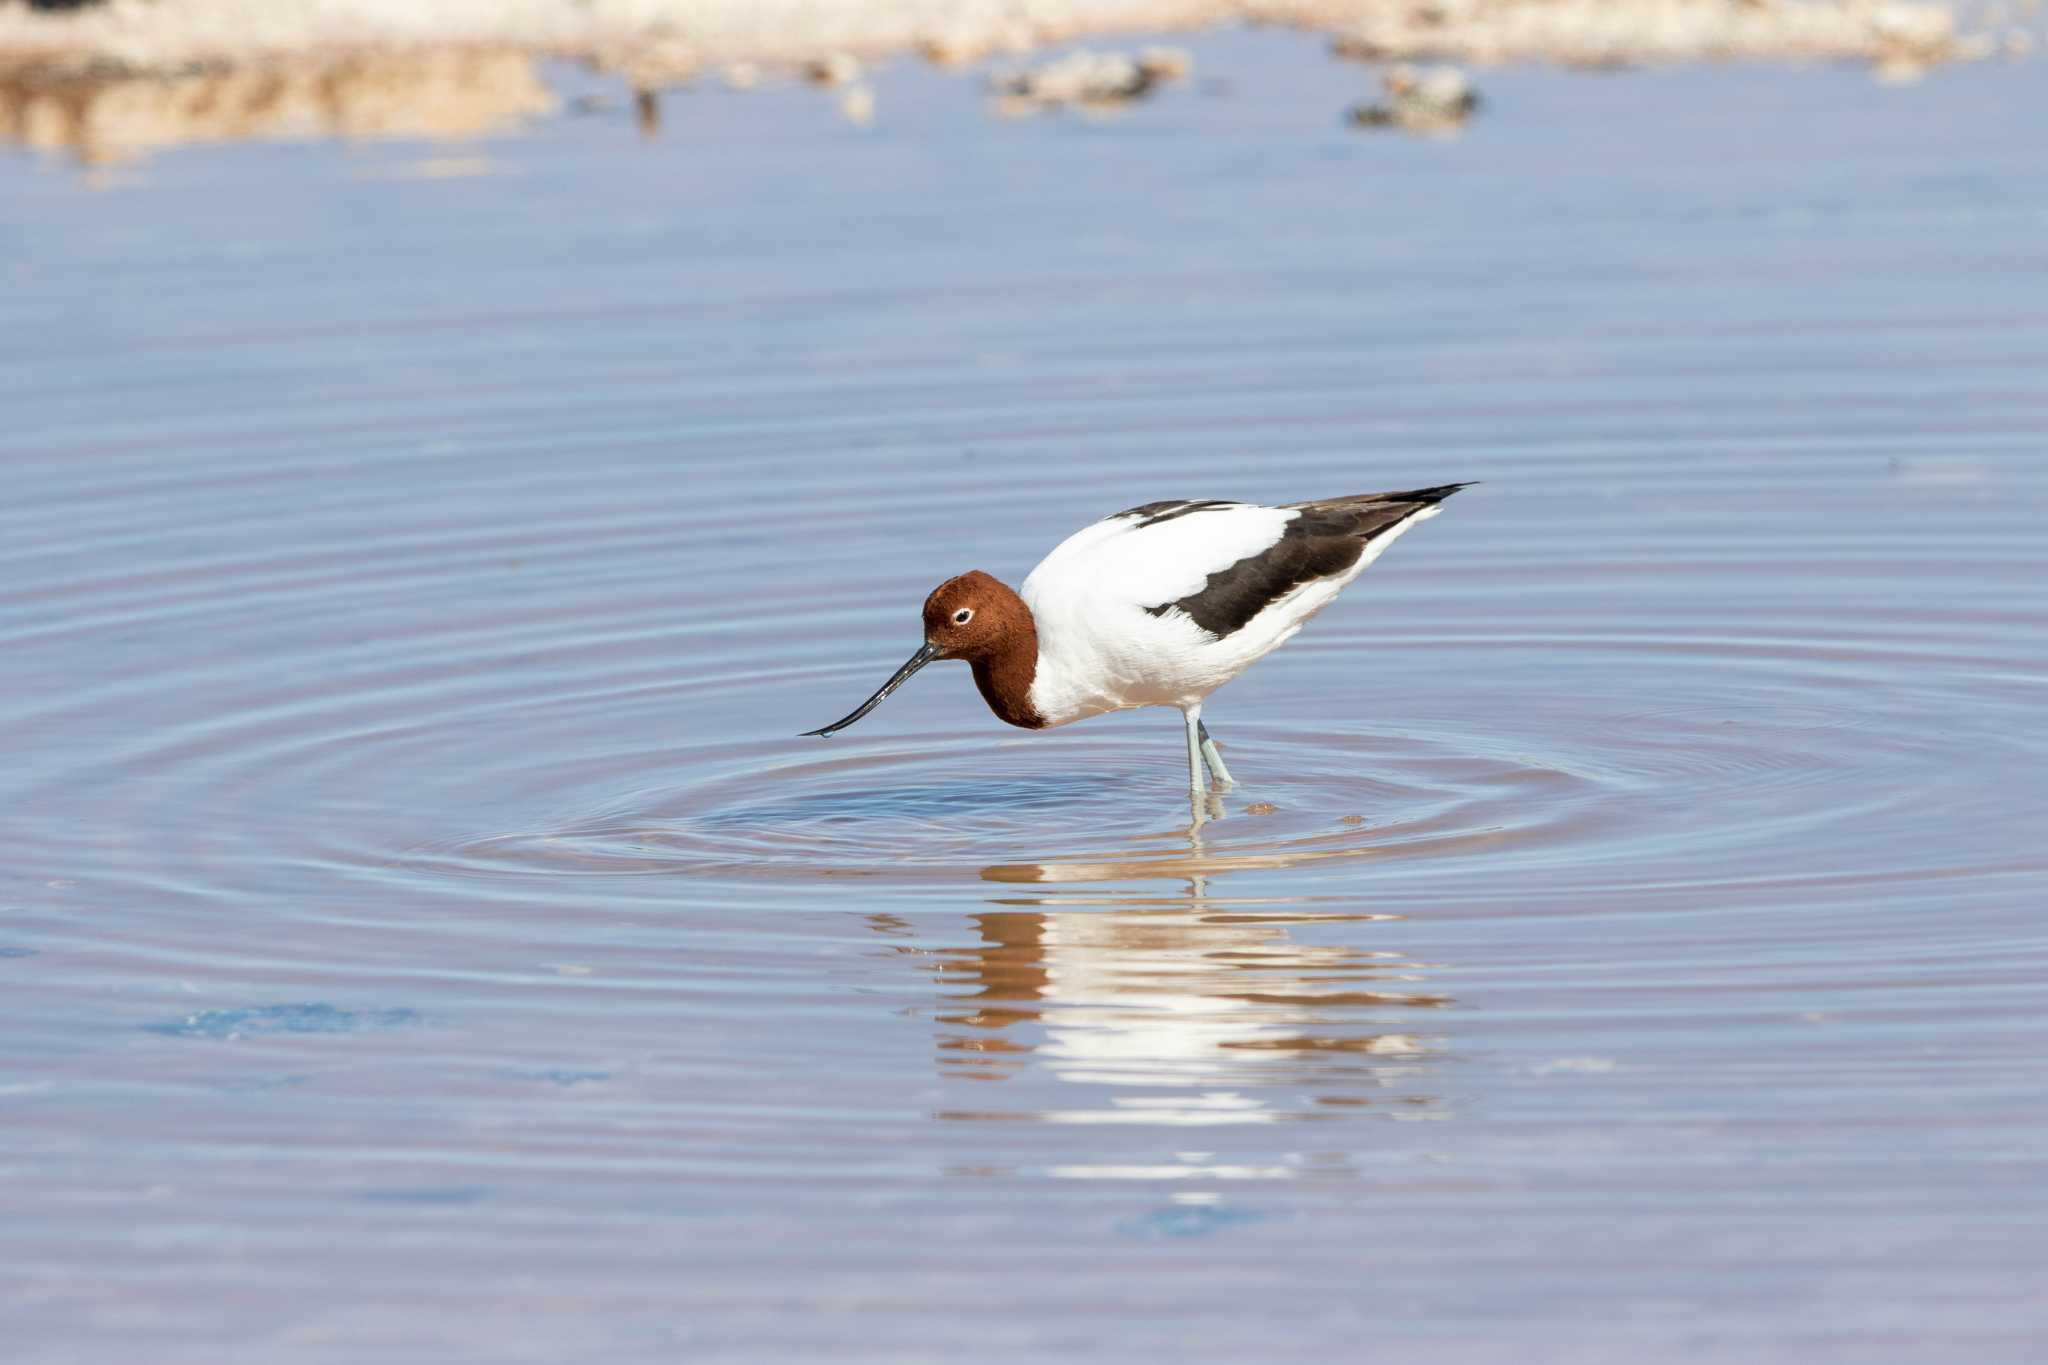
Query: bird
[1156,605]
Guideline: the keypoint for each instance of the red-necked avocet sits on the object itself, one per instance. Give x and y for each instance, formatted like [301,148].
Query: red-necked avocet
[1159,605]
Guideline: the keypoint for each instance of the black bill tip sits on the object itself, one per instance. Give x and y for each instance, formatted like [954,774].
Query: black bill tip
[925,654]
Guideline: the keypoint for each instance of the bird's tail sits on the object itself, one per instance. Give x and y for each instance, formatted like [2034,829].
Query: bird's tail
[1419,497]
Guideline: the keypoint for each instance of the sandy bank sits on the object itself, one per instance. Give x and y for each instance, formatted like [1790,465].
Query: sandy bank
[111,81]
[664,41]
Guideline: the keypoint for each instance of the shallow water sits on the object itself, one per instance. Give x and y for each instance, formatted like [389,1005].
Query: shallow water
[421,932]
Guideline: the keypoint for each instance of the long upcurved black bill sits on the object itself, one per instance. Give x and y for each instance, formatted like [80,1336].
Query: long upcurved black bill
[925,654]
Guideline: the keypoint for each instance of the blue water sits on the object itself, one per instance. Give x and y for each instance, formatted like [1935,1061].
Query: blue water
[422,936]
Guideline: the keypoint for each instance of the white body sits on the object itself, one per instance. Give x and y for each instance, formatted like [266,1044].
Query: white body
[1099,649]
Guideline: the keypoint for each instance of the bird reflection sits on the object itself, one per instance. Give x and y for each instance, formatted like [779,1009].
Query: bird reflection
[1191,1010]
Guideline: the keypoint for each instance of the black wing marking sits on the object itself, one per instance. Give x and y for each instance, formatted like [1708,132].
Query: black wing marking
[1428,497]
[1152,513]
[1324,541]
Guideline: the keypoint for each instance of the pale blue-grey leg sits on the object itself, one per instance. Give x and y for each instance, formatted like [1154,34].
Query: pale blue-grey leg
[1215,759]
[1194,718]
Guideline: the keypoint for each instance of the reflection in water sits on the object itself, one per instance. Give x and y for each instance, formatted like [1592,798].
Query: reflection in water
[1197,1011]
[1197,861]
[440,93]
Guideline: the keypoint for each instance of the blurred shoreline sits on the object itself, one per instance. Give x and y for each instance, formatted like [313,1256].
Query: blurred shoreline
[109,82]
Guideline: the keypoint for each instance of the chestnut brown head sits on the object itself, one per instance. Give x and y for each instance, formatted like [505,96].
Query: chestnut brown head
[972,616]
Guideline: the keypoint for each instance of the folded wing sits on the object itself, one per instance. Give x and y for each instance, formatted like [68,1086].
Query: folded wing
[1329,543]
[1153,554]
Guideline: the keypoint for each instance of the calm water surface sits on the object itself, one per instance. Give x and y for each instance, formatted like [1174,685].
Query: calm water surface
[422,935]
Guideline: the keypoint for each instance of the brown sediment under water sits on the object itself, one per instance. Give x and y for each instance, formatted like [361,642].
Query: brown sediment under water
[423,935]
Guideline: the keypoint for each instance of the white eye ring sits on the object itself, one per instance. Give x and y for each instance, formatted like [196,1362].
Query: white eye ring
[963,616]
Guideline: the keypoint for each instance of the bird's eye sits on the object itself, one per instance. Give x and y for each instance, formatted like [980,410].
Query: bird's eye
[962,616]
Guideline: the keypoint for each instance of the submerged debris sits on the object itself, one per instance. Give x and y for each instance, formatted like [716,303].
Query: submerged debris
[1089,79]
[857,105]
[834,68]
[1432,101]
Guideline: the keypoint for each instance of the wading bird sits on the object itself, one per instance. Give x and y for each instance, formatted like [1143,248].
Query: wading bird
[1159,605]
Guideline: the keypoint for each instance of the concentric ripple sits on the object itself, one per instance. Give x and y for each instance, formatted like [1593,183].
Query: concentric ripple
[944,810]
